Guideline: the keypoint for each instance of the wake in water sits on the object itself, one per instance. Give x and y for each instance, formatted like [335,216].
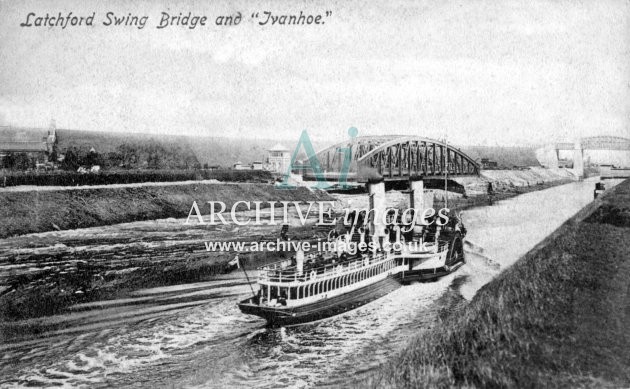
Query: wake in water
[211,344]
[145,335]
[193,335]
[354,341]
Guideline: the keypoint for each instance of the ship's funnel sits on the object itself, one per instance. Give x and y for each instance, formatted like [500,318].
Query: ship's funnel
[377,210]
[299,258]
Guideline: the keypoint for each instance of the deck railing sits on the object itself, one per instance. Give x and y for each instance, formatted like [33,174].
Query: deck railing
[281,272]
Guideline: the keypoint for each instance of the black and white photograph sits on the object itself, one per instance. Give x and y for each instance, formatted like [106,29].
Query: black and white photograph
[315,194]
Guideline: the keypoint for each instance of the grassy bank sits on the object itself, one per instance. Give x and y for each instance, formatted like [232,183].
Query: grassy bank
[112,177]
[557,318]
[35,211]
[58,281]
[37,283]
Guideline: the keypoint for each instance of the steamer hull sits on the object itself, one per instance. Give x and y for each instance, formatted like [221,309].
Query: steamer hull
[324,308]
[313,287]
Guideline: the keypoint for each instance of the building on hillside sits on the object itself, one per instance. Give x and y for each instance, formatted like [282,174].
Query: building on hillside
[241,166]
[279,158]
[256,165]
[35,145]
[487,163]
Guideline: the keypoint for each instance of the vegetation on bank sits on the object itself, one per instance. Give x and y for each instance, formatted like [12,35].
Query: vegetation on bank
[108,150]
[557,318]
[50,292]
[47,293]
[39,211]
[61,280]
[64,178]
[133,154]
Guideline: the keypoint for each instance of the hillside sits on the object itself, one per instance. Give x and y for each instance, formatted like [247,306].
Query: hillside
[172,151]
[506,157]
[128,150]
[214,151]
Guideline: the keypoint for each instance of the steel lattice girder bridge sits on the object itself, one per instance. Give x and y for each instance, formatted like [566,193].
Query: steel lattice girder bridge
[597,143]
[394,157]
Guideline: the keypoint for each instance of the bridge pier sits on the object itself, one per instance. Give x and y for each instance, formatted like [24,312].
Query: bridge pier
[418,199]
[554,158]
[578,160]
[416,194]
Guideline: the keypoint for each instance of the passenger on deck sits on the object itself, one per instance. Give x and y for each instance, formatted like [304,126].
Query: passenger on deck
[284,232]
[283,298]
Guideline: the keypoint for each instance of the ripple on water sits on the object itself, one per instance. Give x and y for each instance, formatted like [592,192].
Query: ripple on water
[211,344]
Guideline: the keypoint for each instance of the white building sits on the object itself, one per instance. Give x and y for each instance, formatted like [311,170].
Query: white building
[279,158]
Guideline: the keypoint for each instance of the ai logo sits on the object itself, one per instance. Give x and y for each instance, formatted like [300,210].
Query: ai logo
[313,163]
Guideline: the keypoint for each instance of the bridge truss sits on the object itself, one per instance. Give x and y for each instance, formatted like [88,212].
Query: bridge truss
[396,157]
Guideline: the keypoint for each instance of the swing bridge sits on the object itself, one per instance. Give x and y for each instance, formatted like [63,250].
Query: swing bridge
[392,158]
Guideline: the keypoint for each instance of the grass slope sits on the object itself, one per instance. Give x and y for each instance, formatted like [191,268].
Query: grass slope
[558,318]
[35,211]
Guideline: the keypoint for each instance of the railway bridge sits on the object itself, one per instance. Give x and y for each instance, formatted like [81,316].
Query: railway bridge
[393,158]
[410,160]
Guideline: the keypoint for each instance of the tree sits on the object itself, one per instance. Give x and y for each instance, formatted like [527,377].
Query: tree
[93,158]
[113,159]
[71,161]
[128,155]
[153,160]
[23,162]
[53,156]
[9,161]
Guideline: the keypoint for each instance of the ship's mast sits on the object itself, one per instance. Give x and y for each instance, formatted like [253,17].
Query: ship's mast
[446,173]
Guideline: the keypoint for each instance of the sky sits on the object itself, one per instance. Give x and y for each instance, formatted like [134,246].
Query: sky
[478,72]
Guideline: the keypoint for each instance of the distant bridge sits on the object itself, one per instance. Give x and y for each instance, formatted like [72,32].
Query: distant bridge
[597,143]
[602,142]
[394,158]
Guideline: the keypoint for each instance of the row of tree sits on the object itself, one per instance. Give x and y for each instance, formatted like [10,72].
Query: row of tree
[18,161]
[145,155]
[150,155]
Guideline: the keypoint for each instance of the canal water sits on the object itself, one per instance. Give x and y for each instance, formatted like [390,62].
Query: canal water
[194,336]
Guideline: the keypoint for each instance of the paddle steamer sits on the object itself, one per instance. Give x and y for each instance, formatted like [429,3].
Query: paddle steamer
[315,286]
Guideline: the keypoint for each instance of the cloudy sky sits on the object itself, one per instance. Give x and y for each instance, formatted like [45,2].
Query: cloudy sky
[481,72]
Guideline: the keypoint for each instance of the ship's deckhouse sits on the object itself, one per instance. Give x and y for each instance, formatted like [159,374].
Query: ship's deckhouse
[290,285]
